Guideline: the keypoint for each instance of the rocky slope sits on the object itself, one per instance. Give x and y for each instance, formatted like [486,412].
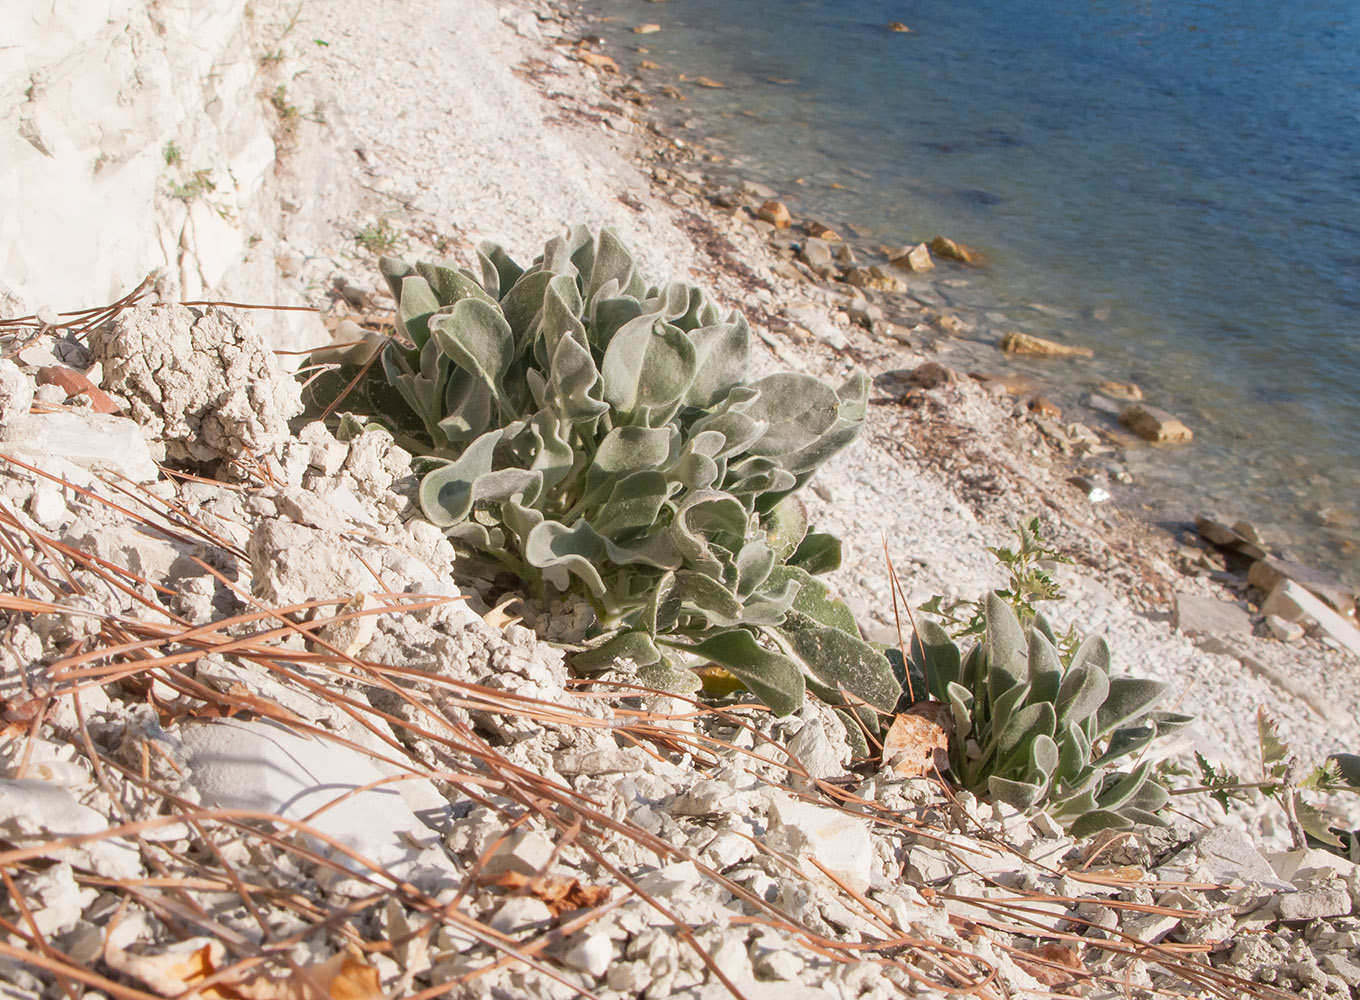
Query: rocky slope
[188,653]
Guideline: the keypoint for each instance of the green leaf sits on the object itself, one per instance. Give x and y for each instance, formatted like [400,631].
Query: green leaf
[633,505]
[839,659]
[1274,751]
[499,271]
[451,284]
[478,339]
[1021,730]
[559,551]
[1129,699]
[1043,756]
[937,656]
[1006,647]
[1022,795]
[1044,668]
[817,553]
[1096,821]
[1129,739]
[416,303]
[1122,790]
[635,646]
[623,451]
[722,354]
[772,677]
[796,410]
[647,367]
[785,526]
[1082,693]
[814,599]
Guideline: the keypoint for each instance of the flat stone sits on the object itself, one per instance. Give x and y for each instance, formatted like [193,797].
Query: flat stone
[915,259]
[1265,574]
[99,442]
[35,812]
[1296,866]
[1227,538]
[521,913]
[1230,858]
[1153,424]
[1292,602]
[267,768]
[1127,391]
[839,841]
[1205,616]
[1039,347]
[1313,904]
[816,254]
[524,851]
[1283,629]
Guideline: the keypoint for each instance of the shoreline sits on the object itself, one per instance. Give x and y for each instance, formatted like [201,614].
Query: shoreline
[1144,479]
[1019,462]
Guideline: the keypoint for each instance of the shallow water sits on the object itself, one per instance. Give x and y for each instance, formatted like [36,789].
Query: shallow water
[1177,184]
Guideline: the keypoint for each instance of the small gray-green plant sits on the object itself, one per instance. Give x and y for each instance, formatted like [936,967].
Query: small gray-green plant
[1284,778]
[597,436]
[172,154]
[1040,723]
[380,238]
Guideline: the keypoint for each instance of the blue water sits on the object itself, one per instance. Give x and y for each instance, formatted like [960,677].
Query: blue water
[1177,183]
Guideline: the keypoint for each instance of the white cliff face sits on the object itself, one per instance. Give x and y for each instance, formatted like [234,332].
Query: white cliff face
[139,137]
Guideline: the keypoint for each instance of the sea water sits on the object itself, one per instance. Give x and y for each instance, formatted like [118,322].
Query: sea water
[1176,185]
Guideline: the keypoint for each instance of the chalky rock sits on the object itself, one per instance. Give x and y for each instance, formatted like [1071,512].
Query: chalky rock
[291,563]
[16,393]
[98,442]
[836,839]
[1196,615]
[267,768]
[34,812]
[201,380]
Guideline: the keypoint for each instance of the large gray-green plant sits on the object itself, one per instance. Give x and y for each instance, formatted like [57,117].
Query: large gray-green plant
[597,436]
[1037,728]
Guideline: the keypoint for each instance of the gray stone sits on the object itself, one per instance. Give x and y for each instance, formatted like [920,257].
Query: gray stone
[1230,857]
[1313,904]
[1225,537]
[267,768]
[1283,629]
[291,563]
[524,851]
[204,381]
[521,913]
[16,393]
[816,254]
[1292,602]
[1266,574]
[1196,615]
[591,954]
[35,812]
[931,375]
[99,442]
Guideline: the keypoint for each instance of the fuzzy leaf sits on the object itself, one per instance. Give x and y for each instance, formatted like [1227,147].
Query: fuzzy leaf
[1128,700]
[636,646]
[478,339]
[1082,693]
[786,526]
[772,677]
[1020,795]
[839,659]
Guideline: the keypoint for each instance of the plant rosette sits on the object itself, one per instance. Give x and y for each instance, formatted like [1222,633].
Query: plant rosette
[595,435]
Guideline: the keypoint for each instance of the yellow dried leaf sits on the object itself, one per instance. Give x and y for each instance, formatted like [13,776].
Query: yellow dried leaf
[917,743]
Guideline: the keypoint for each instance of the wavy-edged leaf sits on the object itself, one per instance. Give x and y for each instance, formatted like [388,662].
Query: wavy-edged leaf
[635,646]
[623,451]
[722,357]
[840,660]
[451,284]
[1094,652]
[478,339]
[785,526]
[499,270]
[646,369]
[1121,790]
[797,409]
[633,504]
[559,550]
[416,303]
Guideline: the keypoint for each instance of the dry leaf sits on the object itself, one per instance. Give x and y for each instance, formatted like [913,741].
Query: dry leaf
[917,743]
[597,61]
[1064,978]
[75,383]
[560,894]
[344,976]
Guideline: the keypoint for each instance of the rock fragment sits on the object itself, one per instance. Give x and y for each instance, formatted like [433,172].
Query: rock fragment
[1038,347]
[203,381]
[1153,424]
